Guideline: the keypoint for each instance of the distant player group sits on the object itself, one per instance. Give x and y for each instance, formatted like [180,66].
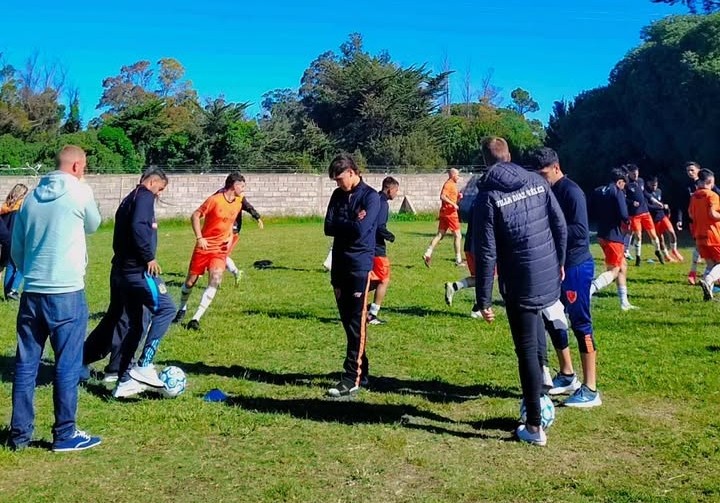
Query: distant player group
[528,228]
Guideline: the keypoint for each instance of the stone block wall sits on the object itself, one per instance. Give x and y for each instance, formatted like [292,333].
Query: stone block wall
[271,194]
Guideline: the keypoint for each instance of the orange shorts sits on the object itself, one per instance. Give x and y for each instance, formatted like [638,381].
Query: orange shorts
[614,252]
[709,252]
[381,269]
[663,226]
[642,222]
[470,259]
[202,260]
[449,223]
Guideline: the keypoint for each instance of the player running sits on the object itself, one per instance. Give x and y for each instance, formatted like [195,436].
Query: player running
[704,211]
[659,212]
[640,219]
[449,218]
[612,212]
[213,242]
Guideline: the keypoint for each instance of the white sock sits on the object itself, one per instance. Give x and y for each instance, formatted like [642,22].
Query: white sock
[458,258]
[695,259]
[207,297]
[674,246]
[657,245]
[622,293]
[231,267]
[638,248]
[713,275]
[374,309]
[184,296]
[601,282]
[428,252]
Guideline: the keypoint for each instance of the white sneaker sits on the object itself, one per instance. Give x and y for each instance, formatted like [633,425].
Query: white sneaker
[564,384]
[128,388]
[449,292]
[524,435]
[110,377]
[628,307]
[146,375]
[476,315]
[547,378]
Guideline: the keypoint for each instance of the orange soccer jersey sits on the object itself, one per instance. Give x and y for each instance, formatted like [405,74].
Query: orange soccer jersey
[706,230]
[450,191]
[219,215]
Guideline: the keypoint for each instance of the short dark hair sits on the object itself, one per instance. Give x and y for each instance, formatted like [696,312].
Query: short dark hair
[341,163]
[543,157]
[692,163]
[495,150]
[233,177]
[653,179]
[617,174]
[389,181]
[704,174]
[631,167]
[154,171]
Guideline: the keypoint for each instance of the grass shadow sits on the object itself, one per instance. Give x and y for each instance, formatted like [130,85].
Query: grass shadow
[98,315]
[714,348]
[46,370]
[299,269]
[295,315]
[5,440]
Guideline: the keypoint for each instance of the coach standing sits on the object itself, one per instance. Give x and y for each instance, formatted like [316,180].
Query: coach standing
[519,226]
[49,248]
[351,219]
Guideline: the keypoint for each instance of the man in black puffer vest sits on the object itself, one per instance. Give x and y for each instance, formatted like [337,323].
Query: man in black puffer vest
[519,226]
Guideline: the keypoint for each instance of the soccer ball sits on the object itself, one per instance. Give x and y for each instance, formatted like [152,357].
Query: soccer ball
[547,412]
[174,380]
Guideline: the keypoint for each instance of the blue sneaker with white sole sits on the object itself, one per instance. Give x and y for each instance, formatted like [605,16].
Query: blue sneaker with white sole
[584,397]
[564,384]
[79,441]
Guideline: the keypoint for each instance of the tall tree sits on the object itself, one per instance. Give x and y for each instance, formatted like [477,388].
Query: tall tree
[694,6]
[523,102]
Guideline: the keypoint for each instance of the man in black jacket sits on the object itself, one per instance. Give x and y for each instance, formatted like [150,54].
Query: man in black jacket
[380,275]
[519,226]
[135,285]
[351,219]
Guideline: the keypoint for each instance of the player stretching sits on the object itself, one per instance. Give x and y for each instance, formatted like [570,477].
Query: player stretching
[659,212]
[449,219]
[705,213]
[380,275]
[213,241]
[575,287]
[612,212]
[639,212]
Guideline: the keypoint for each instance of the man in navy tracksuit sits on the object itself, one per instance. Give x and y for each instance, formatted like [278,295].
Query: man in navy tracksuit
[575,287]
[351,219]
[519,226]
[136,285]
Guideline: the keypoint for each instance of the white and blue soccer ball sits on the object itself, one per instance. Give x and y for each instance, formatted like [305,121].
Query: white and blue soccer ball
[174,380]
[547,412]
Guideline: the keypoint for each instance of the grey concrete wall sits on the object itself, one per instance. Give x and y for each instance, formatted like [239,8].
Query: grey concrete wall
[271,194]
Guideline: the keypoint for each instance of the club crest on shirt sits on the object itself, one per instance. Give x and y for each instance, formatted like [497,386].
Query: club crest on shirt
[571,296]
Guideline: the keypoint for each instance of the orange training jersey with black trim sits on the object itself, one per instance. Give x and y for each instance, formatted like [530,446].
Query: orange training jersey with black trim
[450,191]
[706,230]
[219,216]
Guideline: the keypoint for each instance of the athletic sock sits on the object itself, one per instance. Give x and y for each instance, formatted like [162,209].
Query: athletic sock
[623,294]
[657,245]
[674,246]
[638,249]
[601,282]
[713,275]
[374,309]
[458,258]
[207,297]
[460,285]
[695,259]
[184,296]
[231,267]
[428,252]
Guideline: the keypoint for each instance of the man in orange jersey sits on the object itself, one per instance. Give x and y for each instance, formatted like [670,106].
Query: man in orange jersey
[213,242]
[449,219]
[704,211]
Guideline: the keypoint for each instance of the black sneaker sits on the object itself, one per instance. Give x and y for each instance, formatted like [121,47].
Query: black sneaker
[179,315]
[374,320]
[637,261]
[343,390]
[660,257]
[193,325]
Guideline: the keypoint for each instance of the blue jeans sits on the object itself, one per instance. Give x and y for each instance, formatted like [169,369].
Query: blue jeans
[63,317]
[13,278]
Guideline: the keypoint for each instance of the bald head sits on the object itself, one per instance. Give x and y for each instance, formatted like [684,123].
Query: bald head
[72,160]
[453,174]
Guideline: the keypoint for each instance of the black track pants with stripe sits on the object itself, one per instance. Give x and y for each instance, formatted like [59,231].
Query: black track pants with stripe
[351,294]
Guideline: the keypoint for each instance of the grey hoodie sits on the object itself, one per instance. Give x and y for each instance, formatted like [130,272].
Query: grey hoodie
[48,240]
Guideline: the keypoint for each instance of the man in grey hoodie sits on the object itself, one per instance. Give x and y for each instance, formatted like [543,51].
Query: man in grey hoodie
[49,248]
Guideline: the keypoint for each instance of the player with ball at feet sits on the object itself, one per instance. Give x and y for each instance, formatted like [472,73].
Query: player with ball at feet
[519,226]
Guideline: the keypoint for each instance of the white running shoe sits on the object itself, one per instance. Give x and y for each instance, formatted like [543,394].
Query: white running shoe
[563,384]
[129,388]
[449,292]
[146,375]
[628,307]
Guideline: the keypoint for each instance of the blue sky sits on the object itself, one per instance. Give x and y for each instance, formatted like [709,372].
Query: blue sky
[554,48]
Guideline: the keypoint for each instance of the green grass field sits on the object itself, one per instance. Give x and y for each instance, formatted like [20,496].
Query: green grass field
[437,427]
